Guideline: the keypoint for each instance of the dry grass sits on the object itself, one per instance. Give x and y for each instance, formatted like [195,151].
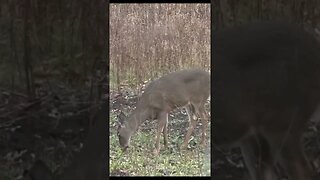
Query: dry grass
[151,39]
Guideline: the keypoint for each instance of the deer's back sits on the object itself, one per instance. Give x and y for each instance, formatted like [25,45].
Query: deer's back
[177,89]
[266,72]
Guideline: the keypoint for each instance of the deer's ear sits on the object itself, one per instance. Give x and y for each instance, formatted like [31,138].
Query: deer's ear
[122,118]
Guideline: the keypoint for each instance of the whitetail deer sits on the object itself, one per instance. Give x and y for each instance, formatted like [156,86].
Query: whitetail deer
[91,161]
[186,88]
[266,87]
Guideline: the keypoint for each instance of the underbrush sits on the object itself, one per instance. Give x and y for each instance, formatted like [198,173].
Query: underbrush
[139,160]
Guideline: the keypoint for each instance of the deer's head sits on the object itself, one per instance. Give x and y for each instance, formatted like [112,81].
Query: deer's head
[124,132]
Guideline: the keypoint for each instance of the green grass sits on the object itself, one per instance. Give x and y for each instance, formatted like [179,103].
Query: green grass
[139,160]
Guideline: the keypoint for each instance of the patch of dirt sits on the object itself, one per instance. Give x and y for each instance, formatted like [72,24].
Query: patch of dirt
[119,173]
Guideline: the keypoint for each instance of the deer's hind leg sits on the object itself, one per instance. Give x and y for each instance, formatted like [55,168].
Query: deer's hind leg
[286,145]
[205,120]
[165,132]
[294,160]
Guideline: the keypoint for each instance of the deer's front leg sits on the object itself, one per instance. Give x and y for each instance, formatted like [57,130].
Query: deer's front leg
[162,120]
[192,124]
[250,156]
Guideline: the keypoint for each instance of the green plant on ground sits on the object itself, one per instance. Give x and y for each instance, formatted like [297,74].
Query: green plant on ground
[139,160]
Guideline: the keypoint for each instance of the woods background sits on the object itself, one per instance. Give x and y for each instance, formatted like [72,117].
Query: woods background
[53,69]
[148,40]
[231,12]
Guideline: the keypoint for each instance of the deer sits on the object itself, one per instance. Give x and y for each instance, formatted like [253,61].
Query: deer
[89,163]
[185,88]
[266,89]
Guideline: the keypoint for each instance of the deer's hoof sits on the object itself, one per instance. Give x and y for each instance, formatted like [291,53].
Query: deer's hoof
[203,145]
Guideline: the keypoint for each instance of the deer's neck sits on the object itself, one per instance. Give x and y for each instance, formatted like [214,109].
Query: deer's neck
[138,116]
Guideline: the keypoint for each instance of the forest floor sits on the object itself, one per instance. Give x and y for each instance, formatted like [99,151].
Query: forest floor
[140,161]
[54,130]
[51,128]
